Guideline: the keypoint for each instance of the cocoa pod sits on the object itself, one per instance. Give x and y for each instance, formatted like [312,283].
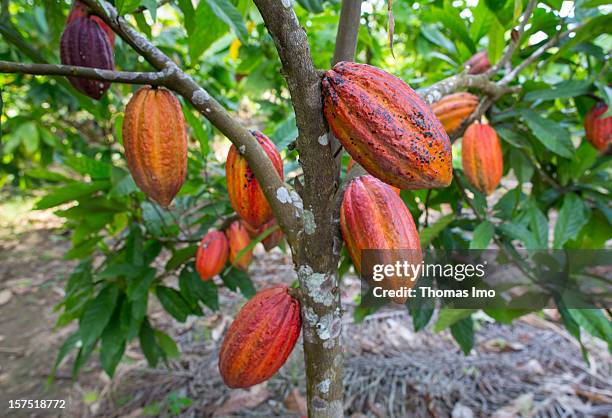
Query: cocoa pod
[155,142]
[261,338]
[238,239]
[482,159]
[386,127]
[211,255]
[85,44]
[453,109]
[271,241]
[598,130]
[478,63]
[82,10]
[373,217]
[350,165]
[245,194]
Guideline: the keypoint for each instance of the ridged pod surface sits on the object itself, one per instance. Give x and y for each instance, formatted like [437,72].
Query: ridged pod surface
[598,130]
[238,239]
[478,63]
[482,158]
[386,127]
[453,109]
[84,43]
[155,142]
[245,194]
[212,254]
[82,10]
[261,338]
[373,217]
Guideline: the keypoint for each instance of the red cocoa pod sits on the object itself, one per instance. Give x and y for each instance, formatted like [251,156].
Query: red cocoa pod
[598,130]
[481,154]
[82,10]
[373,217]
[453,109]
[386,127]
[155,142]
[261,338]
[212,255]
[238,239]
[245,194]
[85,44]
[478,63]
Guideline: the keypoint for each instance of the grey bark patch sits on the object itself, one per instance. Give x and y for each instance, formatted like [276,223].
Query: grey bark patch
[323,386]
[242,149]
[309,223]
[282,194]
[323,140]
[199,97]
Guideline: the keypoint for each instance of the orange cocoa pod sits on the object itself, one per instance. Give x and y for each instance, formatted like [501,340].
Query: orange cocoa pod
[155,142]
[453,109]
[373,217]
[481,154]
[238,239]
[261,338]
[598,130]
[82,10]
[386,127]
[245,194]
[478,63]
[212,255]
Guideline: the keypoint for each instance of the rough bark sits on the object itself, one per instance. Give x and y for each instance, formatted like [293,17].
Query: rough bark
[316,255]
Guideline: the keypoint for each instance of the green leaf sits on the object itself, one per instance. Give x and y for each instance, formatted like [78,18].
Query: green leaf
[126,6]
[138,287]
[572,217]
[314,6]
[97,314]
[482,21]
[482,236]
[449,17]
[496,40]
[538,224]
[562,90]
[594,322]
[495,5]
[236,278]
[463,332]
[550,134]
[148,343]
[448,317]
[197,128]
[67,346]
[228,13]
[64,194]
[519,232]
[167,345]
[173,303]
[428,234]
[97,170]
[180,256]
[209,28]
[195,289]
[522,167]
[113,344]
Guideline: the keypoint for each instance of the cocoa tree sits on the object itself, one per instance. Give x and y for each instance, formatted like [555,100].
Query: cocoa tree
[118,233]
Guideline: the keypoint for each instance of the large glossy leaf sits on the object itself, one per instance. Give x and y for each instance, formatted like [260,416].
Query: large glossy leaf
[228,13]
[549,133]
[572,217]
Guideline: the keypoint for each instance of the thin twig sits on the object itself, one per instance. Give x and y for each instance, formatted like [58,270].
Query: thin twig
[126,77]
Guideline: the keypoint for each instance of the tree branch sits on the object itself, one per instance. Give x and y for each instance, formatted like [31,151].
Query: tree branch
[152,78]
[275,190]
[463,80]
[316,257]
[346,45]
[514,43]
[348,29]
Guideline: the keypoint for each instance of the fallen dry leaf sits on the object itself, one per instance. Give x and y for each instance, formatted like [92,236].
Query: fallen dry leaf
[295,402]
[242,399]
